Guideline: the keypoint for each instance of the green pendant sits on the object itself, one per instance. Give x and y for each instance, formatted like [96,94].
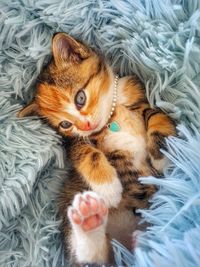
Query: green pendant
[114,126]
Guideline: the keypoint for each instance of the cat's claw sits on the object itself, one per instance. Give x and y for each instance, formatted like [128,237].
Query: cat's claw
[88,211]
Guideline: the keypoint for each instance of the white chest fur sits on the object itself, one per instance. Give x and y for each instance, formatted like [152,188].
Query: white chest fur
[121,140]
[131,137]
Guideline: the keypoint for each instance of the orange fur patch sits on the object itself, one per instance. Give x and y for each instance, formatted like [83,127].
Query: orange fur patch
[96,168]
[162,123]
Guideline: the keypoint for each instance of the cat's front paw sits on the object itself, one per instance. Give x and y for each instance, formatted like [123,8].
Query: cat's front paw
[88,212]
[110,192]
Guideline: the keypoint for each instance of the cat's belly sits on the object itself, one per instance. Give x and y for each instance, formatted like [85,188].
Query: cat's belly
[121,225]
[124,141]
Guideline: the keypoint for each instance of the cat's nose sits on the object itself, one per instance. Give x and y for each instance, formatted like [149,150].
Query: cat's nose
[86,126]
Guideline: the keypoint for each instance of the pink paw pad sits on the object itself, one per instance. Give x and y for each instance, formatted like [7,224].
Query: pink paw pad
[88,210]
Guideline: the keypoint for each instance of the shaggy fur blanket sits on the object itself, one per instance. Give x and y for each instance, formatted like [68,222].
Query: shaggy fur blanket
[159,40]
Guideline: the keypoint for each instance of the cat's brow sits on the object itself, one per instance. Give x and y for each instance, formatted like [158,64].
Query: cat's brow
[100,68]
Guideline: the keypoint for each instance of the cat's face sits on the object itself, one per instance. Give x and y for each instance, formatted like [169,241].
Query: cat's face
[75,90]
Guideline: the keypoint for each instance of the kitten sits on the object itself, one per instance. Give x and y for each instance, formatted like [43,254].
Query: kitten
[112,137]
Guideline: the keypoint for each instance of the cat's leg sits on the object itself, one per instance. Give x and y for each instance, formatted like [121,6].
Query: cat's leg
[97,172]
[88,217]
[135,195]
[159,126]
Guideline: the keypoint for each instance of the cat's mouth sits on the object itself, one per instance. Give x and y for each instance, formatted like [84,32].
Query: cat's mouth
[88,126]
[93,128]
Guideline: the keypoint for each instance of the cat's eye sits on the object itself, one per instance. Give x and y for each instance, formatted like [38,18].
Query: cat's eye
[80,99]
[65,124]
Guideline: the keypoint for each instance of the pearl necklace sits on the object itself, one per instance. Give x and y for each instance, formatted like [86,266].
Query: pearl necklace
[114,126]
[114,100]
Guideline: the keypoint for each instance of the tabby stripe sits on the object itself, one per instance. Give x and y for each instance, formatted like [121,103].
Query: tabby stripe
[129,182]
[158,142]
[148,113]
[130,173]
[121,164]
[45,76]
[139,195]
[138,104]
[100,67]
[115,155]
[154,172]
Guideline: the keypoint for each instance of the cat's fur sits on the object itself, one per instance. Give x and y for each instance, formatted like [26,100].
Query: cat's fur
[108,163]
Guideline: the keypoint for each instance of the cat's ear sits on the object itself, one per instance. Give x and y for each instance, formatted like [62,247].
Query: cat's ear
[29,110]
[66,49]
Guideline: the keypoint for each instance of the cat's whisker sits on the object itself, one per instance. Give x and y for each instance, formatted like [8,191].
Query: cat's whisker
[84,138]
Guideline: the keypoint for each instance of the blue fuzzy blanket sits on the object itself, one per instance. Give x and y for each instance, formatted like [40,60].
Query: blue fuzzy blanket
[159,40]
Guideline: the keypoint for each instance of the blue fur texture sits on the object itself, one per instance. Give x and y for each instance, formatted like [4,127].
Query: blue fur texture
[159,40]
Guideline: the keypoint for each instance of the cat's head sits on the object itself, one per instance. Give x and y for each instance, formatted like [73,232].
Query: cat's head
[75,90]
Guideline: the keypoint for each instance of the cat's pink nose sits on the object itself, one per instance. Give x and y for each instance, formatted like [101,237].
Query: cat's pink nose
[85,126]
